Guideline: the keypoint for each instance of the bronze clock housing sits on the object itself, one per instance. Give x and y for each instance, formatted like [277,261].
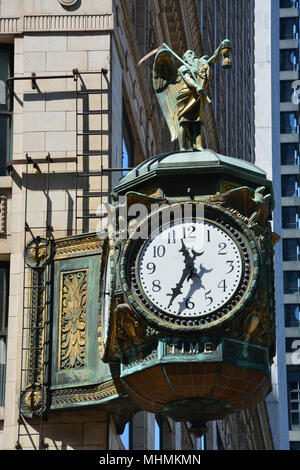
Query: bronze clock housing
[242,239]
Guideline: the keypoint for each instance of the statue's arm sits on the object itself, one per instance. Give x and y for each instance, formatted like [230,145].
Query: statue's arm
[190,82]
[218,52]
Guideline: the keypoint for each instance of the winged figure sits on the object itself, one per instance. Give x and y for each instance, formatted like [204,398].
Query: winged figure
[182,91]
[253,204]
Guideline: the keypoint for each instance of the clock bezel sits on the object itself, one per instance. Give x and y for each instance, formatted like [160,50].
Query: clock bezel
[244,239]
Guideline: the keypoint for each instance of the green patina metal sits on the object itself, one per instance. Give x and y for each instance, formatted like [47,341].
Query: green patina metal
[204,172]
[195,349]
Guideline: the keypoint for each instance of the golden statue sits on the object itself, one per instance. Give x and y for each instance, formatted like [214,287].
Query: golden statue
[182,91]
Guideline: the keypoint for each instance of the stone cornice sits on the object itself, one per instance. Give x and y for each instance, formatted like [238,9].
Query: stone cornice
[46,23]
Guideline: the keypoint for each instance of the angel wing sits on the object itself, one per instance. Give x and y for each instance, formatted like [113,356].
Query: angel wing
[240,198]
[166,85]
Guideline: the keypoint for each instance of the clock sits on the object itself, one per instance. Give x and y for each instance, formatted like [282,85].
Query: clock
[191,273]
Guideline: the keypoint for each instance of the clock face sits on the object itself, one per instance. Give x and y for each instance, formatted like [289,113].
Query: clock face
[193,273]
[190,269]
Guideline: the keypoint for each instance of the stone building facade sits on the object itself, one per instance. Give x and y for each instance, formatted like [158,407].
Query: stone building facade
[77,112]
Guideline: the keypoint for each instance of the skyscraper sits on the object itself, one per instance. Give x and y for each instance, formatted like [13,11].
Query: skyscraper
[289,151]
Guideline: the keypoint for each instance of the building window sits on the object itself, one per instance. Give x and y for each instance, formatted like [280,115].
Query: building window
[128,142]
[290,217]
[290,185]
[288,28]
[289,154]
[292,315]
[294,445]
[293,382]
[289,59]
[4,277]
[159,432]
[292,345]
[291,280]
[291,249]
[126,437]
[286,91]
[289,123]
[6,107]
[288,3]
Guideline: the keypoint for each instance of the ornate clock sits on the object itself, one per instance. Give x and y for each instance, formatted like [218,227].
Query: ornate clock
[191,273]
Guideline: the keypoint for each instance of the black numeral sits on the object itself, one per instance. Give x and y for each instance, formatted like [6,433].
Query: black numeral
[151,268]
[222,247]
[189,304]
[156,287]
[188,231]
[159,251]
[171,237]
[207,297]
[222,285]
[231,266]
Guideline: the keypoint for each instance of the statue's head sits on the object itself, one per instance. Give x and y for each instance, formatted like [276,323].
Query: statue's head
[189,56]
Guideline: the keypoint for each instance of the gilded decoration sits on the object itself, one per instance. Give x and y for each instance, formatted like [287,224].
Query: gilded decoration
[252,205]
[33,400]
[3,216]
[73,310]
[77,246]
[67,396]
[38,252]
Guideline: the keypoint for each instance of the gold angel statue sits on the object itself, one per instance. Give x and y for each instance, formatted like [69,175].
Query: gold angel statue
[182,91]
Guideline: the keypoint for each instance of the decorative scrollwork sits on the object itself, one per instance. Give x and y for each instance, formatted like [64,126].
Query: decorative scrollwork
[72,337]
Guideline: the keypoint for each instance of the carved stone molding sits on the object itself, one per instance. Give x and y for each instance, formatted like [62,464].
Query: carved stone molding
[3,216]
[46,23]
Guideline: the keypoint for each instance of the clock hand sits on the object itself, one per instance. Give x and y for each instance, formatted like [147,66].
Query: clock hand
[194,286]
[188,269]
[200,274]
[177,290]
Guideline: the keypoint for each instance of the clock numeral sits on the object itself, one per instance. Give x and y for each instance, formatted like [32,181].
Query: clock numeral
[207,297]
[187,231]
[222,285]
[171,237]
[222,247]
[208,236]
[156,287]
[189,304]
[231,266]
[151,268]
[159,251]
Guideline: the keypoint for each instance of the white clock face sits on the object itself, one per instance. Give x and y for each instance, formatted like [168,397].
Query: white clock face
[190,269]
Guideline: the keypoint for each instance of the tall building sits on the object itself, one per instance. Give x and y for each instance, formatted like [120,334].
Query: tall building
[289,151]
[267,157]
[76,114]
